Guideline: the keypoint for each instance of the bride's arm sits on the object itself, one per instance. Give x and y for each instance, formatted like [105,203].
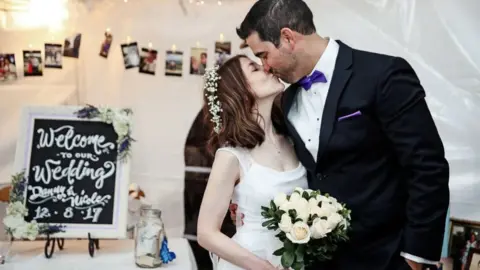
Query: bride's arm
[225,171]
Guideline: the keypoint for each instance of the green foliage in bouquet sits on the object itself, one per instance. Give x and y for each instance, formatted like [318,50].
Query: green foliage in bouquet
[313,227]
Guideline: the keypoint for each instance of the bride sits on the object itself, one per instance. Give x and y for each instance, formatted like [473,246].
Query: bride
[253,162]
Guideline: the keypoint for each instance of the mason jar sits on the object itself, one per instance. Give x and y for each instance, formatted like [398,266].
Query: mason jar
[149,235]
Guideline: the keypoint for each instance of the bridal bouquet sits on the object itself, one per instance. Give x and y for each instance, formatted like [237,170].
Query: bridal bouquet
[310,225]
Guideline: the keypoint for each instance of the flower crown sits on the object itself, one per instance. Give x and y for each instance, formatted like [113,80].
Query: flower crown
[211,83]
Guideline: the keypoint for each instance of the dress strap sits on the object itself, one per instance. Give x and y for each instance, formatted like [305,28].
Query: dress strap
[243,156]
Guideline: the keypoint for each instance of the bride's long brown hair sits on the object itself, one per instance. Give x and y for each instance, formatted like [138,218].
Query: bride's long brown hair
[238,127]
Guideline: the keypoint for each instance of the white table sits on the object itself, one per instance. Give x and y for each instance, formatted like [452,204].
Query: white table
[112,255]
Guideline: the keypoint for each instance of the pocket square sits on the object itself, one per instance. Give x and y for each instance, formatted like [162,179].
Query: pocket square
[357,113]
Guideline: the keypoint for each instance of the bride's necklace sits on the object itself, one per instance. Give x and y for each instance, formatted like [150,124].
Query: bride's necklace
[277,149]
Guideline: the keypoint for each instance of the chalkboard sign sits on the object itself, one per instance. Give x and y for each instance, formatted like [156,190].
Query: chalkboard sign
[74,175]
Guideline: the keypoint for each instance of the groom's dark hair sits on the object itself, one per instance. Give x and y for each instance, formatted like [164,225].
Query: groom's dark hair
[268,17]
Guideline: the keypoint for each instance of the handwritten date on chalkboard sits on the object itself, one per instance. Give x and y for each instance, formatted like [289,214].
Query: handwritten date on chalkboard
[72,172]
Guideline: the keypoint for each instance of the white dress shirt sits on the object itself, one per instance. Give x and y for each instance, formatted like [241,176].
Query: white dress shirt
[307,109]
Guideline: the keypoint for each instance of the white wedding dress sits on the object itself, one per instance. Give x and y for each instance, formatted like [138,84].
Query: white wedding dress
[258,186]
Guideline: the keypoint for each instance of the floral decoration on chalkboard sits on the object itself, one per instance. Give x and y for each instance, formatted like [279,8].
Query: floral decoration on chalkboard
[121,121]
[14,221]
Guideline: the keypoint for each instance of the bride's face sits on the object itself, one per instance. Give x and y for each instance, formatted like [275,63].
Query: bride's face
[262,84]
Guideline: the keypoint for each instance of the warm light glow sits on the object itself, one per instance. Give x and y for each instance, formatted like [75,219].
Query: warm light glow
[221,37]
[150,45]
[219,3]
[198,44]
[174,47]
[107,30]
[42,13]
[128,39]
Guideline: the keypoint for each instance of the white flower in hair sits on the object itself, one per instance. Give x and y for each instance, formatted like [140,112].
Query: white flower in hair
[211,84]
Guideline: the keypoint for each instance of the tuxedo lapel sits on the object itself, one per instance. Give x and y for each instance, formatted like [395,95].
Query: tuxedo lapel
[303,154]
[341,75]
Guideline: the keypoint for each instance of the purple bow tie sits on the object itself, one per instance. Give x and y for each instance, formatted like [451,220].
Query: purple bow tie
[307,81]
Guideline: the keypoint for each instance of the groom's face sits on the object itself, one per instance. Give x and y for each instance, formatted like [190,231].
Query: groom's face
[278,61]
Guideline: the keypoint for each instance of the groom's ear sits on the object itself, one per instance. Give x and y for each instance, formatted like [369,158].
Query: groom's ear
[287,37]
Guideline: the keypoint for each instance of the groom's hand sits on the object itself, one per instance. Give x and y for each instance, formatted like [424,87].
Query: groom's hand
[414,265]
[233,214]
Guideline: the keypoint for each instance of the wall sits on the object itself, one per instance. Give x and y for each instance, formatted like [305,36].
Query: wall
[433,35]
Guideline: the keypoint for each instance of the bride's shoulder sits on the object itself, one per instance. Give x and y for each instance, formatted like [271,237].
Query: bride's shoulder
[225,162]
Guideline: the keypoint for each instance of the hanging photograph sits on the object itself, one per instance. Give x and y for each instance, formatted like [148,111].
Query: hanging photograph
[8,67]
[131,57]
[198,61]
[464,237]
[223,51]
[173,63]
[107,42]
[148,61]
[72,46]
[32,61]
[53,55]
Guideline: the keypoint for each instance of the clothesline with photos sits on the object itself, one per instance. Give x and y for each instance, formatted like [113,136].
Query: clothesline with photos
[134,56]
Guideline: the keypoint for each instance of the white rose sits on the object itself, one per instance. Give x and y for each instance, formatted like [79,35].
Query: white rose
[313,202]
[280,199]
[13,221]
[295,197]
[300,233]
[333,220]
[30,230]
[302,208]
[285,223]
[299,190]
[338,206]
[326,210]
[315,210]
[106,115]
[320,228]
[287,206]
[17,208]
[19,232]
[322,198]
[121,126]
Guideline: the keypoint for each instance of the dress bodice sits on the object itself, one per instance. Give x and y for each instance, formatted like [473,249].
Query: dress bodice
[257,187]
[260,184]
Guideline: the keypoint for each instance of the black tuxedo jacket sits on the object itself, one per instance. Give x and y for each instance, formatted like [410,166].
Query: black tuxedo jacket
[386,162]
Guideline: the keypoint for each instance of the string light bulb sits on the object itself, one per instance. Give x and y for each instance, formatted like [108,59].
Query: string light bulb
[221,37]
[150,45]
[128,39]
[174,47]
[219,2]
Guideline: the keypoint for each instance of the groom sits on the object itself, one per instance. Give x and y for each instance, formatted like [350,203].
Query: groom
[362,128]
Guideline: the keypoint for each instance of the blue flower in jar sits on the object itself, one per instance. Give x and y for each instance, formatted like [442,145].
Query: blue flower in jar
[165,254]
